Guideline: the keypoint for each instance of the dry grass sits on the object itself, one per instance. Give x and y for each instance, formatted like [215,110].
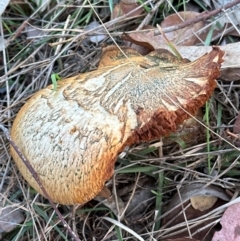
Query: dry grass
[147,176]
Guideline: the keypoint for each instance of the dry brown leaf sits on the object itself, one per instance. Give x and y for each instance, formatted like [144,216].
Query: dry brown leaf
[140,45]
[183,36]
[230,74]
[140,42]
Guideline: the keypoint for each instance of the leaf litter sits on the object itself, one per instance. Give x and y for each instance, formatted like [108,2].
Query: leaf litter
[180,166]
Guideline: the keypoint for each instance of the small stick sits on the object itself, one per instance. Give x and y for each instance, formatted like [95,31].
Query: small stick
[36,177]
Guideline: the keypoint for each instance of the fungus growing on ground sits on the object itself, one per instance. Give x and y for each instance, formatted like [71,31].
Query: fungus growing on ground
[73,135]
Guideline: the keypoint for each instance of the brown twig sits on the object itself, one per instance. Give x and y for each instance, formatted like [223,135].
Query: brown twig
[203,16]
[36,177]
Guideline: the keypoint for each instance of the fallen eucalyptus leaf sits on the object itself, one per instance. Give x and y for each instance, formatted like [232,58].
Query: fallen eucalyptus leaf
[175,220]
[196,189]
[185,35]
[181,35]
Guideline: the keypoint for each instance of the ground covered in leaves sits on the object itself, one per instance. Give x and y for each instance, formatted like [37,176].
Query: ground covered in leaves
[185,185]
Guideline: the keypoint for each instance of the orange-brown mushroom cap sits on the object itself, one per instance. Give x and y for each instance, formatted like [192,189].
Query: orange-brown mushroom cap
[72,136]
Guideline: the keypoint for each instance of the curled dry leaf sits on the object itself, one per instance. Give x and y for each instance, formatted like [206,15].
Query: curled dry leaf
[72,135]
[139,43]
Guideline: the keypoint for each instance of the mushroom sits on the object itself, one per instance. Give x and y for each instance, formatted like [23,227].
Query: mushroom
[73,135]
